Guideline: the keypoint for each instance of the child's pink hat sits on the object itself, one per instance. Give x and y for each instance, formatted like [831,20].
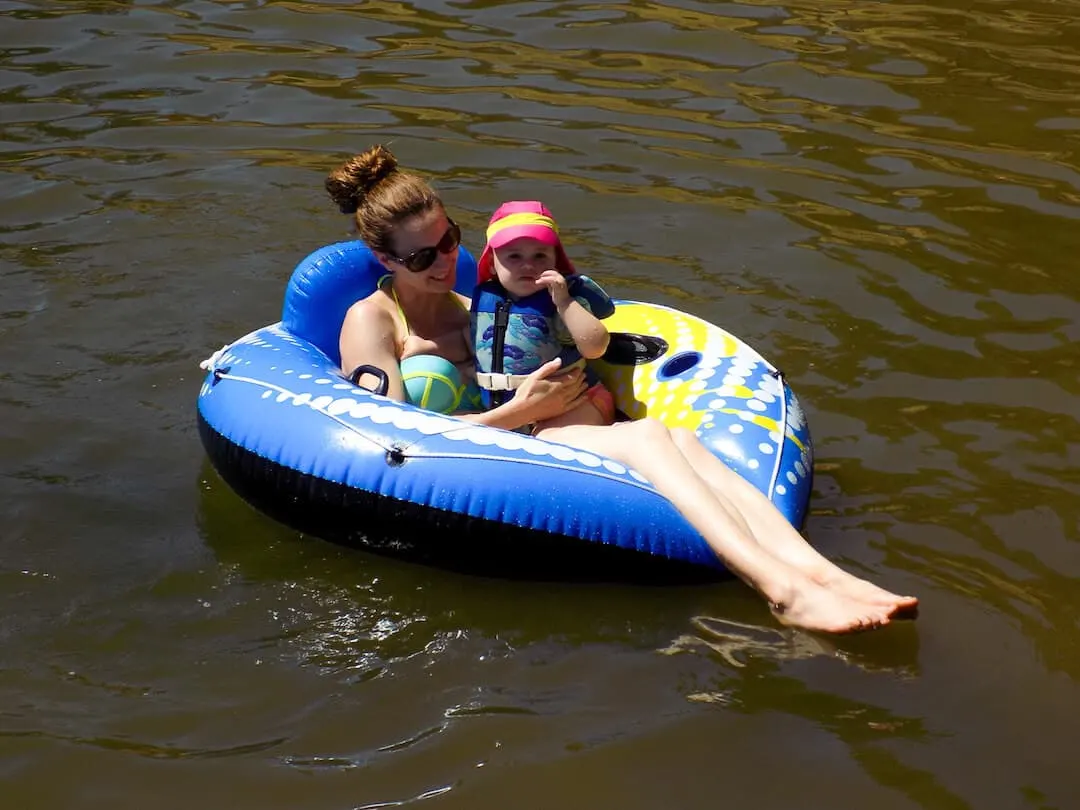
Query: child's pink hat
[513,220]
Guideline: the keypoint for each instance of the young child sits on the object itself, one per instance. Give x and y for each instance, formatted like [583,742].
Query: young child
[530,306]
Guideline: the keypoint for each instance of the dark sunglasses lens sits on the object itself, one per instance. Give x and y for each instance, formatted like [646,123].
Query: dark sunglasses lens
[421,260]
[425,257]
[451,239]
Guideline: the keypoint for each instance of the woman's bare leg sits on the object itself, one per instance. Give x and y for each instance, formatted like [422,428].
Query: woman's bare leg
[772,530]
[795,598]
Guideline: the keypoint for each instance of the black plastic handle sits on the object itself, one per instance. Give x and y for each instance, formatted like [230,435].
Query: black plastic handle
[374,371]
[630,349]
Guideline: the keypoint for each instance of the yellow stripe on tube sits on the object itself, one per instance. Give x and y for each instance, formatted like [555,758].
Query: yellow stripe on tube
[638,392]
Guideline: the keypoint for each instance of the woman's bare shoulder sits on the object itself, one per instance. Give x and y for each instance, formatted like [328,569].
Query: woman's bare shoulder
[376,309]
[369,326]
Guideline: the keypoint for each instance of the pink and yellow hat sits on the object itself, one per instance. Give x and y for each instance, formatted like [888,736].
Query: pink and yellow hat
[513,220]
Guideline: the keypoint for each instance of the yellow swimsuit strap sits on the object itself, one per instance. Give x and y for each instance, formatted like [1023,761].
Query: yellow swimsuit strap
[397,303]
[401,312]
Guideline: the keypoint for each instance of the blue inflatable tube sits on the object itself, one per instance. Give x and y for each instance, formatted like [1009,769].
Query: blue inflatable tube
[284,428]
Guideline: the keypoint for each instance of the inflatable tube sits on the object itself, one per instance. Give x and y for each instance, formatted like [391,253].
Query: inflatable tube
[284,427]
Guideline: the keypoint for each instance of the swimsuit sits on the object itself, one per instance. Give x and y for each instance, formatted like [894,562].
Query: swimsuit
[470,395]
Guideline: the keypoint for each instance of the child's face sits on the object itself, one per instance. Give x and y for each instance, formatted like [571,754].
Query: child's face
[519,264]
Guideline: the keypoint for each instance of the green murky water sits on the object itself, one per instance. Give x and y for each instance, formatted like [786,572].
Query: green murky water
[881,197]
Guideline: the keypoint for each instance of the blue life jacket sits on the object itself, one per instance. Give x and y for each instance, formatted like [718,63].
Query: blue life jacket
[512,338]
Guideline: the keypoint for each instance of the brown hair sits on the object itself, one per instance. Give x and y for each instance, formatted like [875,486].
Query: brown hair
[371,186]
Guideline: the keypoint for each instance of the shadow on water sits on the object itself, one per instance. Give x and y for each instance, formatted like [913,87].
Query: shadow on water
[350,602]
[849,687]
[767,684]
[554,600]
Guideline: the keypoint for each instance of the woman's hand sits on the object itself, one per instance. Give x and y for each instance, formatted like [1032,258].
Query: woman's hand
[546,393]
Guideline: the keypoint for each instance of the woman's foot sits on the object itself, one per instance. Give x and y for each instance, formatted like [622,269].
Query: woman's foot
[840,581]
[812,606]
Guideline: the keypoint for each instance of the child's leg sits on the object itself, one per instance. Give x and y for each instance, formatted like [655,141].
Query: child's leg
[598,409]
[584,414]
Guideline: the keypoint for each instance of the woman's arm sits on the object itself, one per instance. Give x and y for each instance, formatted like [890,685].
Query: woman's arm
[544,395]
[369,337]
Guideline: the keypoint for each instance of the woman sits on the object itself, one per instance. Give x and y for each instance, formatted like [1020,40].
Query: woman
[416,311]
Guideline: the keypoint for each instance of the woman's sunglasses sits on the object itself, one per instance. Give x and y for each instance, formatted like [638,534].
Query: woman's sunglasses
[420,260]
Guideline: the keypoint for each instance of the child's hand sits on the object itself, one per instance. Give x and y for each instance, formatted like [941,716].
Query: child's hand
[556,286]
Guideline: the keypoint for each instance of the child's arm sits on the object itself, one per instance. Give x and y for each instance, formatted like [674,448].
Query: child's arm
[590,335]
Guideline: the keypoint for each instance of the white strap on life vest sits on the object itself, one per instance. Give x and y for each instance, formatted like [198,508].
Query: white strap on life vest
[500,382]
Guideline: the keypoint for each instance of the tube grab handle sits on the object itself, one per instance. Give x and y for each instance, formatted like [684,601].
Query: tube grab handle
[376,372]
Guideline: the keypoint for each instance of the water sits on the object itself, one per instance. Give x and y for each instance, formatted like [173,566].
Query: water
[881,197]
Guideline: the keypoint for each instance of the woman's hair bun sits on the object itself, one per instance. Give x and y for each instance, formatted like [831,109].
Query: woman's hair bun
[351,182]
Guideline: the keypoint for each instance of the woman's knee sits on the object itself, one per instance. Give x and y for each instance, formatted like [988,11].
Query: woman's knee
[683,437]
[649,430]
